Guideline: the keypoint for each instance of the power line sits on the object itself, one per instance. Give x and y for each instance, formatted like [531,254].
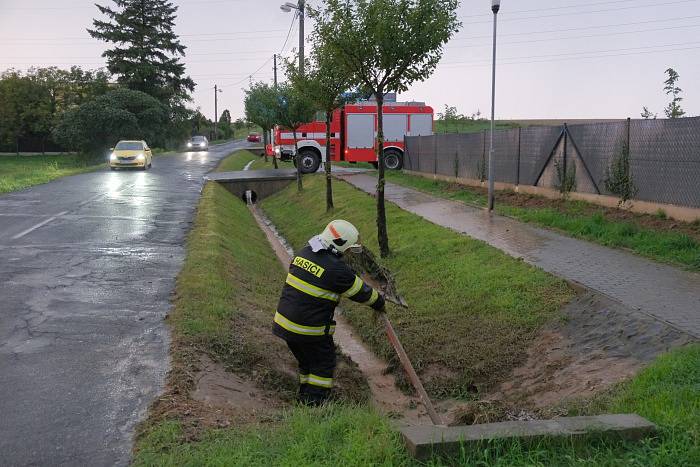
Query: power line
[556,15]
[578,37]
[576,55]
[551,8]
[529,33]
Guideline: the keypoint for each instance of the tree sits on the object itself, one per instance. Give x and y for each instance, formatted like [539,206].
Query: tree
[120,114]
[386,45]
[450,117]
[24,108]
[146,51]
[647,114]
[673,110]
[293,110]
[225,124]
[261,107]
[325,84]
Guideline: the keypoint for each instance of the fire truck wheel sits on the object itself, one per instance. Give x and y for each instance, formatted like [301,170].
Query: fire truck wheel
[310,161]
[393,160]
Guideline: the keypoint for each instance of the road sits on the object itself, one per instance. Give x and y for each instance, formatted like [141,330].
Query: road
[87,267]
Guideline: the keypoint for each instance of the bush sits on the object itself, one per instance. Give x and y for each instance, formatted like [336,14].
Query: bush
[97,125]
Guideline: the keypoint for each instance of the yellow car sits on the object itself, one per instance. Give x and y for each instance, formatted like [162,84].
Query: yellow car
[131,154]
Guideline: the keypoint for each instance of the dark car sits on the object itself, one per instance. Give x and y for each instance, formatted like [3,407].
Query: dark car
[198,143]
[254,137]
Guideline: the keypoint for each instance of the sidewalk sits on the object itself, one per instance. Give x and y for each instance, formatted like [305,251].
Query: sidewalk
[667,293]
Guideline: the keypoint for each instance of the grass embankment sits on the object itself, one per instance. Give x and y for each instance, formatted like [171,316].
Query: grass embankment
[473,309]
[665,393]
[654,237]
[19,172]
[224,284]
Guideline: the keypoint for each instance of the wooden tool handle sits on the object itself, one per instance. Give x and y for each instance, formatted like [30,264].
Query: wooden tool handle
[412,375]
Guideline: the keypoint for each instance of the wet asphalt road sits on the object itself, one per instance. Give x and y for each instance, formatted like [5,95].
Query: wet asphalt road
[87,266]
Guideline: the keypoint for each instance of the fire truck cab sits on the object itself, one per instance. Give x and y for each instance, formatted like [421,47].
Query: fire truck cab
[353,134]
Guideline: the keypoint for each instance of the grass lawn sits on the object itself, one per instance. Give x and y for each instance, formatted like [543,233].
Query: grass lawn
[473,309]
[19,172]
[470,126]
[237,160]
[652,236]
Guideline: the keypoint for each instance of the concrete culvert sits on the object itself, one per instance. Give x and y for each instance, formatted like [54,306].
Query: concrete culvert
[249,197]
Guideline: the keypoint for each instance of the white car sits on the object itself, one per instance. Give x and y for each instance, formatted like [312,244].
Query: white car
[198,143]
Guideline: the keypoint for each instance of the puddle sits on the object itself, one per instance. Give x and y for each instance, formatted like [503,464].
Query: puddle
[220,388]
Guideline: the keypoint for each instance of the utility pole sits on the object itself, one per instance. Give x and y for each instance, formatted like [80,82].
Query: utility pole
[275,69]
[216,110]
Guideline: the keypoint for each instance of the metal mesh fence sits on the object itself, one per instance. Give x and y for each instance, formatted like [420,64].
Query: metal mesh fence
[664,156]
[665,160]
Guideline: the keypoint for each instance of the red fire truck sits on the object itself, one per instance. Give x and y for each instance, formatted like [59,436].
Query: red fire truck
[353,134]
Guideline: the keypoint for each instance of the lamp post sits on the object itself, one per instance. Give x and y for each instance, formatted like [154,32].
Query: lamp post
[495,6]
[287,7]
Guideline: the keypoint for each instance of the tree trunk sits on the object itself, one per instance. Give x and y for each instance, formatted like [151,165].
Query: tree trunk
[300,186]
[329,179]
[266,136]
[382,235]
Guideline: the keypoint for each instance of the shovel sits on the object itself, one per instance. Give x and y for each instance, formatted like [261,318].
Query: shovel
[380,278]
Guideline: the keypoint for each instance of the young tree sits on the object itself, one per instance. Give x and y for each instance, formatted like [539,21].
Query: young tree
[647,114]
[386,45]
[673,110]
[146,51]
[294,110]
[325,84]
[261,107]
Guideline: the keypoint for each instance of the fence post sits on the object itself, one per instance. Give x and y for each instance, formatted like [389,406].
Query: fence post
[628,133]
[563,163]
[517,167]
[456,164]
[435,154]
[417,169]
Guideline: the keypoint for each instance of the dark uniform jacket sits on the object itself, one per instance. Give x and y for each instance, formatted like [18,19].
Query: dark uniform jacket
[314,285]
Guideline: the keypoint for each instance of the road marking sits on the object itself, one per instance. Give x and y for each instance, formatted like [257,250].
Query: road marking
[33,228]
[247,166]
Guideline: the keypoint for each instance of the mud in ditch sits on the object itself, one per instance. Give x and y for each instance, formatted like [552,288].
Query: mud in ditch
[385,393]
[598,343]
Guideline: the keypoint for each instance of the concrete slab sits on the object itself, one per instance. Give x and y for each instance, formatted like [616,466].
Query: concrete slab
[263,175]
[424,441]
[262,183]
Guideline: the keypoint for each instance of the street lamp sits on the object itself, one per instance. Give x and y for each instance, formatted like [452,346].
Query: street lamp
[495,6]
[287,7]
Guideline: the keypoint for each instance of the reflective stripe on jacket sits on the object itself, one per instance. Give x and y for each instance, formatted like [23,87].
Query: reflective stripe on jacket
[315,283]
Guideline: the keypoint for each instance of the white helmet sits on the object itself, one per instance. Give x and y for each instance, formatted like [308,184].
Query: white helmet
[341,235]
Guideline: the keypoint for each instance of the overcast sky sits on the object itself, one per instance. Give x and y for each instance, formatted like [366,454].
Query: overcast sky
[557,59]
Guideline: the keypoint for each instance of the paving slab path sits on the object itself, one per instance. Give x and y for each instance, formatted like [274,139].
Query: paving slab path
[667,293]
[87,268]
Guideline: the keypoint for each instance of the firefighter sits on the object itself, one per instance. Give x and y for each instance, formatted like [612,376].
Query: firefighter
[317,279]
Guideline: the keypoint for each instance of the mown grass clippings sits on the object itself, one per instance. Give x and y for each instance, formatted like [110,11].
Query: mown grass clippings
[472,309]
[653,236]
